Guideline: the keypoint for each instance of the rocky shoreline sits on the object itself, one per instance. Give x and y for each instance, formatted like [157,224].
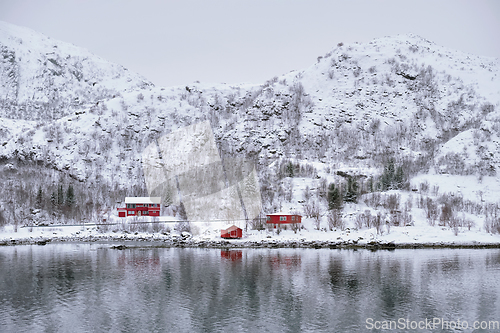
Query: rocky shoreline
[190,242]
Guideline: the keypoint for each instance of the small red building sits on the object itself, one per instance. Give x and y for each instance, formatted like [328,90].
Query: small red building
[278,219]
[140,206]
[231,232]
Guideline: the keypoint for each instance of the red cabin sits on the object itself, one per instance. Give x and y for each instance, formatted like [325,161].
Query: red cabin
[231,232]
[278,219]
[140,206]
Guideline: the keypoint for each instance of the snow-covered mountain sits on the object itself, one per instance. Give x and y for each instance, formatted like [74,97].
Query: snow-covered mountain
[432,109]
[44,79]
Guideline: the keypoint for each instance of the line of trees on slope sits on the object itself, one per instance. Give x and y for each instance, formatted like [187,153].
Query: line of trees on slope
[32,194]
[59,199]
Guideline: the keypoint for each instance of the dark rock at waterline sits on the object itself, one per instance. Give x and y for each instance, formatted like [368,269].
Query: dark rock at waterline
[119,247]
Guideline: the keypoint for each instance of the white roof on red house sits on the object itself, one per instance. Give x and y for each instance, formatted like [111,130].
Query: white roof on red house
[143,200]
[282,214]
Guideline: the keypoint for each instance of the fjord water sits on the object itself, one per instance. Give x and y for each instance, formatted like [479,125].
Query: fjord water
[93,288]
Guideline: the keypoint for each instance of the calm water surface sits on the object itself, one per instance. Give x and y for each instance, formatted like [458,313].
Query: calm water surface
[92,288]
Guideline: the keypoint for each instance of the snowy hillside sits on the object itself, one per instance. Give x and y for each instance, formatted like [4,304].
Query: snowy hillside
[403,101]
[44,79]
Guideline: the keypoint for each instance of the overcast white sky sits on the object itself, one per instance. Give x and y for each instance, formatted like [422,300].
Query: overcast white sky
[235,41]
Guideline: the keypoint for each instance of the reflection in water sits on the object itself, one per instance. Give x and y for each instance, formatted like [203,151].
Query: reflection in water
[233,255]
[277,260]
[90,287]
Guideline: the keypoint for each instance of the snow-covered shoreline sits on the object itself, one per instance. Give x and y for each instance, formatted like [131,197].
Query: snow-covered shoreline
[399,238]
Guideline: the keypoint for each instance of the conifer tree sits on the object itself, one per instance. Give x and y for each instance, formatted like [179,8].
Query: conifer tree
[334,198]
[53,199]
[387,178]
[289,170]
[393,178]
[39,198]
[370,184]
[60,195]
[399,178]
[182,212]
[3,220]
[351,194]
[70,196]
[167,196]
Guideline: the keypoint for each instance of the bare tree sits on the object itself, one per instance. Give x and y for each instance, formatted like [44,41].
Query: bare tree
[335,220]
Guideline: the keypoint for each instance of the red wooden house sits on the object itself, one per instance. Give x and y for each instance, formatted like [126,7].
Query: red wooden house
[278,219]
[231,232]
[140,206]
